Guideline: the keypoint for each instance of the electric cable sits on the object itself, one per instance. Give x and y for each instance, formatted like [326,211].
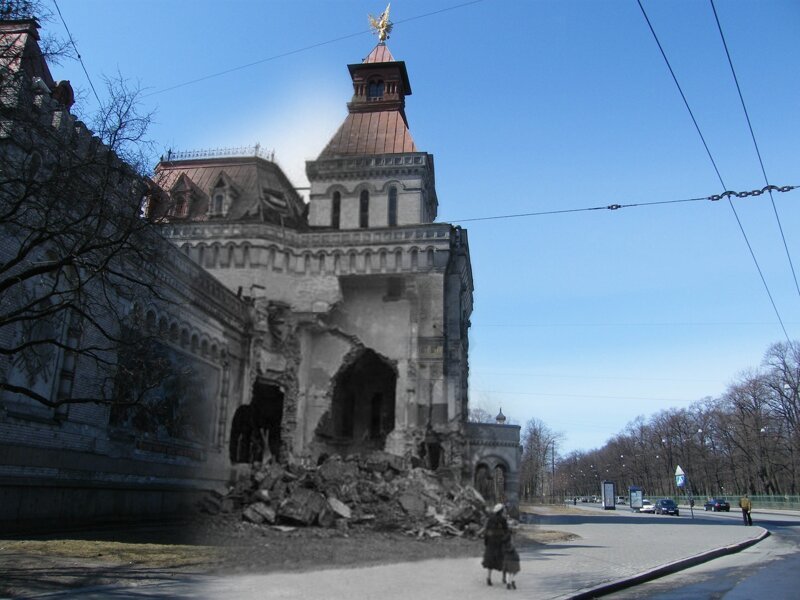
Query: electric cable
[719,176]
[713,198]
[78,54]
[299,50]
[755,144]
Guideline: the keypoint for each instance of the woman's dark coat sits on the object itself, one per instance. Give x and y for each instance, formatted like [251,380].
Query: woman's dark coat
[495,536]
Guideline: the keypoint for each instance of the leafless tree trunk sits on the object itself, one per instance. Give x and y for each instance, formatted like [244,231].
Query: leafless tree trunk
[77,260]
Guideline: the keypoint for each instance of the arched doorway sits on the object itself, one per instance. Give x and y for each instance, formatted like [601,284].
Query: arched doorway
[499,481]
[363,404]
[484,483]
[257,426]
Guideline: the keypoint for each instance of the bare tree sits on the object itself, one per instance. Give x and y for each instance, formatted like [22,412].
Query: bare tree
[539,455]
[746,440]
[479,415]
[77,260]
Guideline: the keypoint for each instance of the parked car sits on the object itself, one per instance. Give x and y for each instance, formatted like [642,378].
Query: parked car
[647,506]
[717,505]
[622,500]
[666,506]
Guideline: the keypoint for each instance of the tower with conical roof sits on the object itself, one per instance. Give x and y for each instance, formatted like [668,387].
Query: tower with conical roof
[371,174]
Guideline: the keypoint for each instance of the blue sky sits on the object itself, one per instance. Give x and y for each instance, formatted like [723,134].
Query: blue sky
[584,320]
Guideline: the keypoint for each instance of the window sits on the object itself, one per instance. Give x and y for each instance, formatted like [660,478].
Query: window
[221,198]
[375,89]
[363,209]
[181,205]
[392,206]
[336,210]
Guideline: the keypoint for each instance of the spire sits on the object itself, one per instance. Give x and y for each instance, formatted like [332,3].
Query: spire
[379,54]
[376,123]
[500,418]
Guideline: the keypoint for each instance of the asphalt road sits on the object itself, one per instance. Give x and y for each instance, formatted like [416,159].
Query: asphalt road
[770,569]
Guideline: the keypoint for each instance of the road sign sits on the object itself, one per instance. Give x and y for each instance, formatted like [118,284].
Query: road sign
[680,477]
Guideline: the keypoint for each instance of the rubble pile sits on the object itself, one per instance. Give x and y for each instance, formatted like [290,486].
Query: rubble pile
[377,491]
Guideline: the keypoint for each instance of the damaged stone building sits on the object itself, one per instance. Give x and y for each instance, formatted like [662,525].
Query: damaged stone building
[362,300]
[336,325]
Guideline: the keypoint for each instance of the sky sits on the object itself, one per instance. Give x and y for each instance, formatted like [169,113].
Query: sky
[584,320]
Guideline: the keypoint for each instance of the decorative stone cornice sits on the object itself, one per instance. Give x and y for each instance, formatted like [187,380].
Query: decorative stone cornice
[370,166]
[322,239]
[492,443]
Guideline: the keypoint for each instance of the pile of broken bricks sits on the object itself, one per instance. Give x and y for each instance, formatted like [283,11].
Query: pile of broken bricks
[378,491]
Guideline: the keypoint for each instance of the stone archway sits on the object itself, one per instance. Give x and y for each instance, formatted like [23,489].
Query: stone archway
[362,410]
[257,426]
[492,481]
[499,481]
[483,482]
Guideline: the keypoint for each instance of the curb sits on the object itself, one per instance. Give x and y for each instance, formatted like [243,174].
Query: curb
[667,569]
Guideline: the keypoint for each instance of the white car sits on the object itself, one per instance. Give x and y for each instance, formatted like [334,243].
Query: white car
[647,506]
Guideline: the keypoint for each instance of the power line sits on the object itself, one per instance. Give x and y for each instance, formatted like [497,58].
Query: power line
[78,54]
[713,198]
[713,162]
[593,396]
[755,144]
[299,50]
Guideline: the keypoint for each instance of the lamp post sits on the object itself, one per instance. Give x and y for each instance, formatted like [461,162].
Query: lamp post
[553,472]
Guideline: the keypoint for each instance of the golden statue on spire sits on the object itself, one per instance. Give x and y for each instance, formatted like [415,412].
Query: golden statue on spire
[382,25]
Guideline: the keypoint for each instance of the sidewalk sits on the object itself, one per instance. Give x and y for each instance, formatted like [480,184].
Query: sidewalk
[613,547]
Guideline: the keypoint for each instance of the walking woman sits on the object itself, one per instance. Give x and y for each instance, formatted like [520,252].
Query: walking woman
[495,534]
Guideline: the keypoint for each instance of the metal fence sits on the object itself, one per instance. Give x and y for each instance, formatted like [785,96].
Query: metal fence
[776,502]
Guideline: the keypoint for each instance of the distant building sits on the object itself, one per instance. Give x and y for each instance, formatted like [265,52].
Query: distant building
[334,326]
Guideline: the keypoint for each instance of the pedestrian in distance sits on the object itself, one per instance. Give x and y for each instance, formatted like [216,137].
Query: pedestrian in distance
[494,536]
[746,506]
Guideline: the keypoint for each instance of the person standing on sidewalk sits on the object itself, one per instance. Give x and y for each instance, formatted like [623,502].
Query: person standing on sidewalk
[494,536]
[746,506]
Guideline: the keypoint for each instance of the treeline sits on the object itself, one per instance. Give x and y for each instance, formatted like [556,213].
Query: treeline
[746,440]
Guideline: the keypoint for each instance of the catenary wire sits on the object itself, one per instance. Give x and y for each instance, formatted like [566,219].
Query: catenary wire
[727,194]
[755,144]
[299,50]
[78,54]
[719,176]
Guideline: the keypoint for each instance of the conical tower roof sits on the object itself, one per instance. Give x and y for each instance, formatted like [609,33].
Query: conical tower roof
[376,120]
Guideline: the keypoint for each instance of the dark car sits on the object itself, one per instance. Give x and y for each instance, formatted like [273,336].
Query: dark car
[717,505]
[665,506]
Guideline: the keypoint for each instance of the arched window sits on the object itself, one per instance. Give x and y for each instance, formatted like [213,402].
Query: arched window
[392,206]
[363,209]
[221,198]
[375,89]
[336,210]
[181,205]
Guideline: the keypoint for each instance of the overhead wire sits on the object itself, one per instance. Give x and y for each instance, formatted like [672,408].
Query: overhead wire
[78,54]
[716,169]
[713,198]
[303,49]
[755,144]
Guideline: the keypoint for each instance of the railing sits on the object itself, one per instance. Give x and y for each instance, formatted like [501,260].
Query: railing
[773,502]
[241,151]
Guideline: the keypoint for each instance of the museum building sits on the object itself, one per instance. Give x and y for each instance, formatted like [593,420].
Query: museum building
[333,325]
